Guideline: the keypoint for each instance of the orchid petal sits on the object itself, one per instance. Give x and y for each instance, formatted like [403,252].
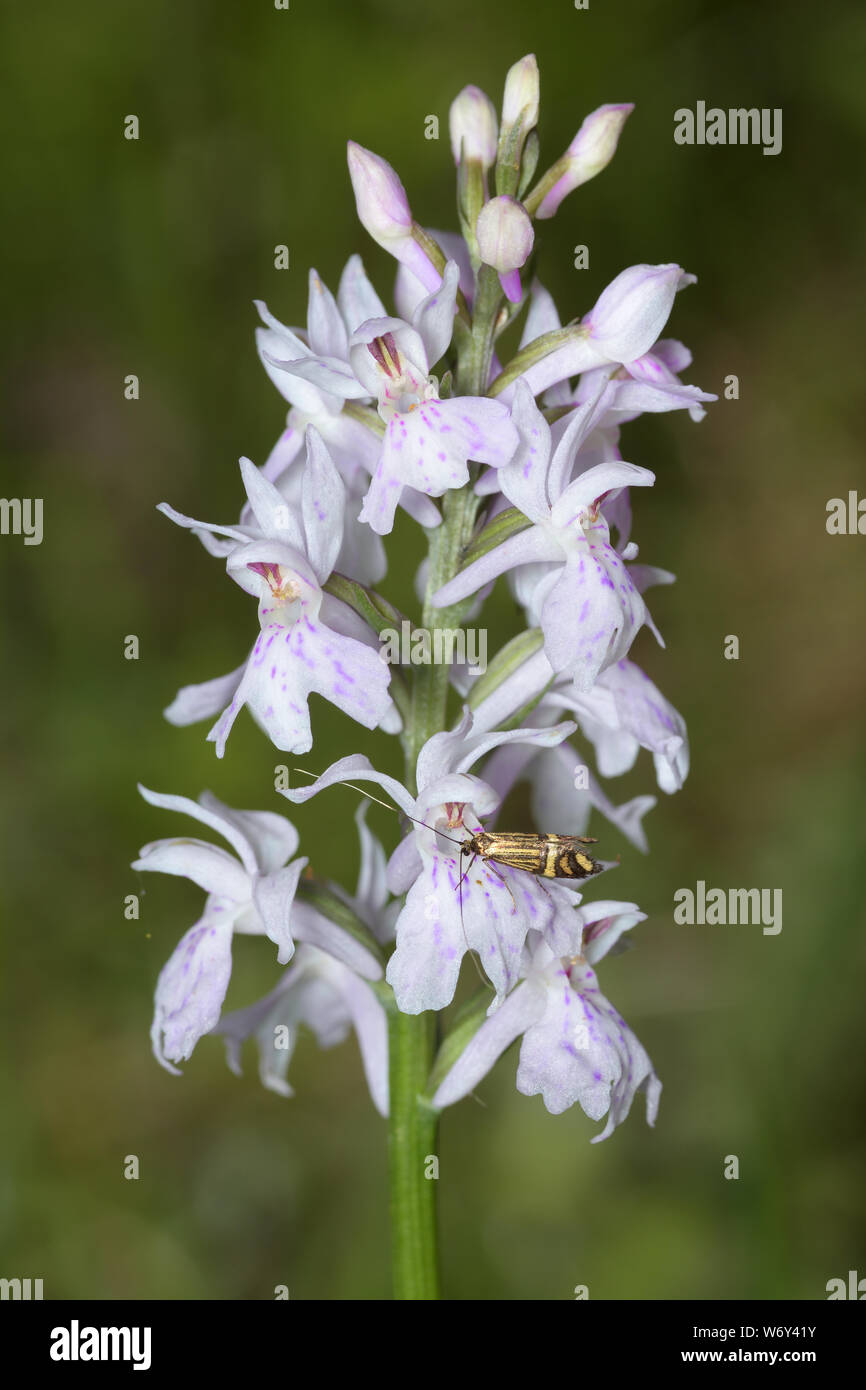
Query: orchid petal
[526,547]
[315,929]
[206,816]
[672,354]
[287,664]
[239,1025]
[590,618]
[542,317]
[276,344]
[269,507]
[190,991]
[195,702]
[273,896]
[578,354]
[604,924]
[524,479]
[283,454]
[323,500]
[631,312]
[213,869]
[326,329]
[409,290]
[272,838]
[588,487]
[535,738]
[520,1010]
[371,893]
[328,374]
[490,914]
[371,1029]
[356,297]
[579,428]
[358,768]
[201,528]
[404,866]
[434,316]
[429,448]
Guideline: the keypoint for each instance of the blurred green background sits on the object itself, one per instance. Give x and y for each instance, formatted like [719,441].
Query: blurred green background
[144,257]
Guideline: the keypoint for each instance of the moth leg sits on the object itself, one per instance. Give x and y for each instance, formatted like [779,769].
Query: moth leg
[543,888]
[466,871]
[490,865]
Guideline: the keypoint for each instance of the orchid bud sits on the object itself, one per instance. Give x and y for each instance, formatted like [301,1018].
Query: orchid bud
[383,210]
[520,99]
[591,150]
[519,118]
[383,207]
[473,127]
[505,239]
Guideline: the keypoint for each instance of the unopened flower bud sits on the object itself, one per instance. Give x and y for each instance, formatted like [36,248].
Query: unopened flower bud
[590,151]
[505,239]
[473,127]
[383,209]
[520,100]
[519,119]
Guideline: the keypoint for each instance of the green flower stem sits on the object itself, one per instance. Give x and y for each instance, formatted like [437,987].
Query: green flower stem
[477,349]
[430,686]
[412,1137]
[413,1122]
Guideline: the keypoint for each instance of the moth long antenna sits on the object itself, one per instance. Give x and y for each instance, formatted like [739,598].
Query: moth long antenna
[387,805]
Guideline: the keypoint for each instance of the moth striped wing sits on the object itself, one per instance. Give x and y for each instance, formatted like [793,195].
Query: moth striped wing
[546,856]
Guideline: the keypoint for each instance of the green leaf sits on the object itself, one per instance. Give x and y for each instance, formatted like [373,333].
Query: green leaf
[385,994]
[533,352]
[529,163]
[505,663]
[507,174]
[532,202]
[366,415]
[372,607]
[507,524]
[434,253]
[519,717]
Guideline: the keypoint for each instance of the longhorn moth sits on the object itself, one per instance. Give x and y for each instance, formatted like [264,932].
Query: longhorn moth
[543,856]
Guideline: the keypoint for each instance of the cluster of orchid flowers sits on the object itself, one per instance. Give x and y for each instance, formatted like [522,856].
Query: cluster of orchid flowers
[384,413]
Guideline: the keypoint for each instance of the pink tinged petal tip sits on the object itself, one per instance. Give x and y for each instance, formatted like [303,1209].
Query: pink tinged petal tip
[634,308]
[473,127]
[591,150]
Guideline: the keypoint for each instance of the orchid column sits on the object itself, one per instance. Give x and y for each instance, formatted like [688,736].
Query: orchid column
[511,470]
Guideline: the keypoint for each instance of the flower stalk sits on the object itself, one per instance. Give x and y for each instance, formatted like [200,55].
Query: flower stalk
[413,1122]
[412,1138]
[413,410]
